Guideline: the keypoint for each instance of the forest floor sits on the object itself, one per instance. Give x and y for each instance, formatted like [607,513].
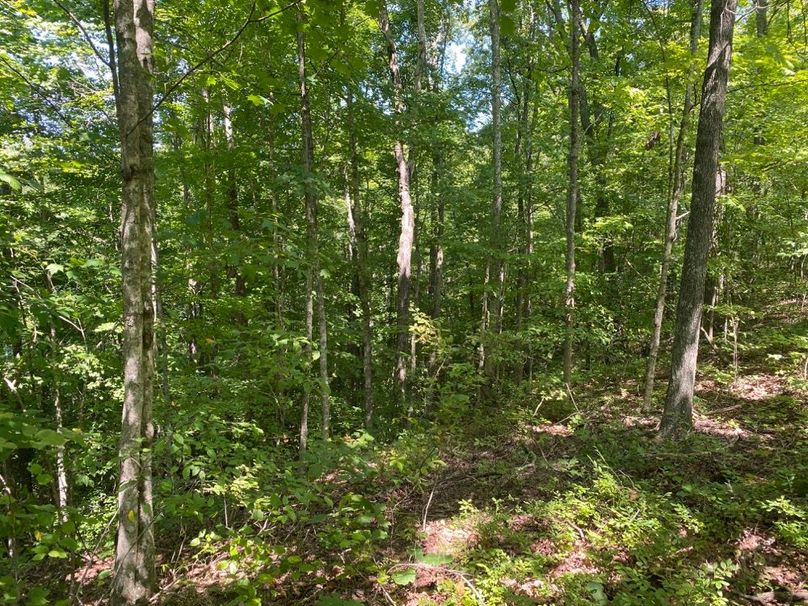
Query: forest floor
[554,502]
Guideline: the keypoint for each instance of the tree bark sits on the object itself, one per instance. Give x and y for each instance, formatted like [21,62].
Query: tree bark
[676,191]
[438,208]
[232,198]
[494,263]
[362,269]
[761,17]
[314,284]
[572,190]
[677,418]
[407,234]
[134,571]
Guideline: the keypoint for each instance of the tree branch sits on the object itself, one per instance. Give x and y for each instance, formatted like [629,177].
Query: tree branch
[247,22]
[83,31]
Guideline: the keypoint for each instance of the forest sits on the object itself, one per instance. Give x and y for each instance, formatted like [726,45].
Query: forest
[403,302]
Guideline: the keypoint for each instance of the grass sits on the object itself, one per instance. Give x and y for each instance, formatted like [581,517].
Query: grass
[536,501]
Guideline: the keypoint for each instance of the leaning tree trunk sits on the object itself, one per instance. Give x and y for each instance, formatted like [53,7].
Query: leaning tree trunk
[677,418]
[572,190]
[134,572]
[676,190]
[407,235]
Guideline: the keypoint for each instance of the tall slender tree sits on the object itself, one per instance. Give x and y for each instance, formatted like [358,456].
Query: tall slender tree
[358,235]
[314,283]
[677,417]
[494,263]
[676,189]
[572,188]
[134,571]
[407,234]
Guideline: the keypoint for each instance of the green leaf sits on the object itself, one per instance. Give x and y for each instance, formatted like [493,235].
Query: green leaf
[405,577]
[11,180]
[38,596]
[49,437]
[372,8]
[434,559]
[258,100]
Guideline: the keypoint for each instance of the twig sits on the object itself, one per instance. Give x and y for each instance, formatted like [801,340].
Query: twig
[40,92]
[83,31]
[580,532]
[156,596]
[572,399]
[97,546]
[386,595]
[428,503]
[536,410]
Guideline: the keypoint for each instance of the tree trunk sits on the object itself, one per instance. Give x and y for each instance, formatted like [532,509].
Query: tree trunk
[678,415]
[407,235]
[61,469]
[438,208]
[572,190]
[362,269]
[314,284]
[761,18]
[598,145]
[311,226]
[676,190]
[436,246]
[232,198]
[134,572]
[494,263]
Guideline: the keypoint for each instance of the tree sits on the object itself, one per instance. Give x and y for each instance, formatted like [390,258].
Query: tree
[406,237]
[134,572]
[572,190]
[494,264]
[677,417]
[676,189]
[314,283]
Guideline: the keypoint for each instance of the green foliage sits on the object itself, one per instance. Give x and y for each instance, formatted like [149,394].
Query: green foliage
[616,520]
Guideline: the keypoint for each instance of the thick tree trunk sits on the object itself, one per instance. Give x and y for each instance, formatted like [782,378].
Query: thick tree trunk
[407,235]
[572,190]
[134,572]
[676,189]
[678,415]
